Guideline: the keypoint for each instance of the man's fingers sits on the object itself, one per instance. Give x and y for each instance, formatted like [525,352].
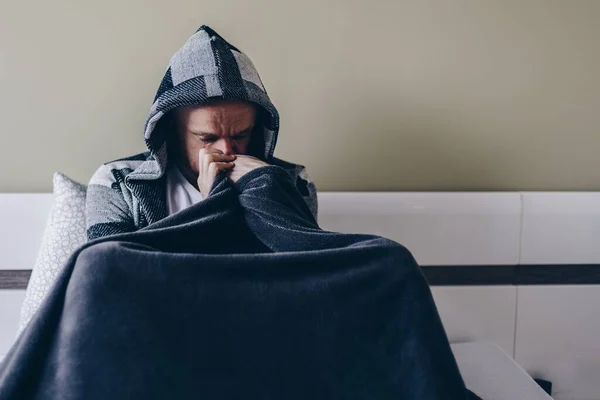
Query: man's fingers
[220,158]
[215,167]
[207,158]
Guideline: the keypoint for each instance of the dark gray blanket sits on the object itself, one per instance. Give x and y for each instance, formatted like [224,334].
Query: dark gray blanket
[241,296]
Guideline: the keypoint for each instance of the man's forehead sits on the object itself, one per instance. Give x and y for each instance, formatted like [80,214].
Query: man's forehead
[217,117]
[218,106]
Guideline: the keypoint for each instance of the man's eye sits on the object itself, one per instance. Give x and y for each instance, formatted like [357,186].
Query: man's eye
[204,140]
[241,137]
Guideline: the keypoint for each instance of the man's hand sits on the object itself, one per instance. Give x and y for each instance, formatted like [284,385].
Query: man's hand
[243,165]
[210,162]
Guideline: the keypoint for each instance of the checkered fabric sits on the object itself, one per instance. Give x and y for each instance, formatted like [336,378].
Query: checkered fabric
[128,194]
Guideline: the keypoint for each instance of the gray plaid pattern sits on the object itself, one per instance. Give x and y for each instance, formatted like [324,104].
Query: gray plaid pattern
[128,194]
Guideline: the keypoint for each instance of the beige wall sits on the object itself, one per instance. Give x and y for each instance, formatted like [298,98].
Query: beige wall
[374,95]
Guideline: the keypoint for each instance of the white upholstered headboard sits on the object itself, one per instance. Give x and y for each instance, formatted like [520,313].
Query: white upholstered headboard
[439,228]
[519,269]
[22,222]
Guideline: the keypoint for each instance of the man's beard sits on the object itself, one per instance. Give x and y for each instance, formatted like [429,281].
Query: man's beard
[187,171]
[256,147]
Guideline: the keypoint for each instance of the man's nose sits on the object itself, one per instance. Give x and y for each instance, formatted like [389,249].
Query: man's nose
[225,145]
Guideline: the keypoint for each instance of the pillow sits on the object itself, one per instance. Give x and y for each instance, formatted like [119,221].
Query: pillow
[64,233]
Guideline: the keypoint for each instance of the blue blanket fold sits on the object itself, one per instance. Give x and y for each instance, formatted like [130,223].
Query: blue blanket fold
[241,296]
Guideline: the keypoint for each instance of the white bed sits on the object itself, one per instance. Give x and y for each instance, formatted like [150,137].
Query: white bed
[528,323]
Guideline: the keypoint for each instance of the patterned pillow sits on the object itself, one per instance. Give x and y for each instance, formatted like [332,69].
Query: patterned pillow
[64,233]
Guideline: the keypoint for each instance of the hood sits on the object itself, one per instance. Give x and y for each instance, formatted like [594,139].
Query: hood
[206,68]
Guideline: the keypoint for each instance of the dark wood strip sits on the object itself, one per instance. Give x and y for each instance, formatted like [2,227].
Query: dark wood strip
[469,275]
[576,274]
[451,275]
[14,278]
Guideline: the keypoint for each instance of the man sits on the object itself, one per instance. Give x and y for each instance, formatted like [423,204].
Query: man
[211,115]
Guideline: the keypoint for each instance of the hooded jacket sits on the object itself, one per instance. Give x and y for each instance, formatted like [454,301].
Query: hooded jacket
[130,193]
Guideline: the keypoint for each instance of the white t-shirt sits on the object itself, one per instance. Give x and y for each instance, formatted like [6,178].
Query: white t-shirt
[180,193]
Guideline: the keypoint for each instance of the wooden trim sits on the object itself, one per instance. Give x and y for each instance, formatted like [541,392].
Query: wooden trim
[469,275]
[478,275]
[14,278]
[445,275]
[575,274]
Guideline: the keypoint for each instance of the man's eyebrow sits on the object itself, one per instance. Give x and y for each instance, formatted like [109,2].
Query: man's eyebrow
[206,134]
[247,130]
[214,135]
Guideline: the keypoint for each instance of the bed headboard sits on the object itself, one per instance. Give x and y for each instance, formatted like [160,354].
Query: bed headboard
[520,269]
[23,219]
[440,229]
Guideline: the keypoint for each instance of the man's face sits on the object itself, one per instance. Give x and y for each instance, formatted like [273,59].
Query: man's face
[222,125]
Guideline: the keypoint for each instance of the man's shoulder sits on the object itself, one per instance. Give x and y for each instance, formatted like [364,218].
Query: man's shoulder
[145,156]
[118,169]
[290,166]
[298,172]
[128,163]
